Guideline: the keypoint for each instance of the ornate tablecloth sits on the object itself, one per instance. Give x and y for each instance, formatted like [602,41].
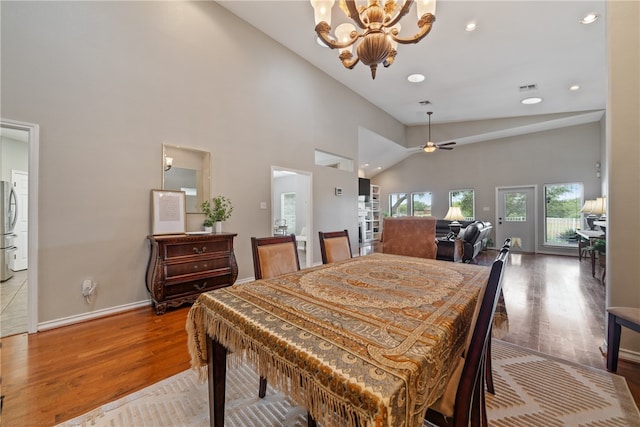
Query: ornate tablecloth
[368,341]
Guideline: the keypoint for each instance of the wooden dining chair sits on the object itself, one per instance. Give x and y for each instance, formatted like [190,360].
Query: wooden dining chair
[273,256]
[488,367]
[463,402]
[334,246]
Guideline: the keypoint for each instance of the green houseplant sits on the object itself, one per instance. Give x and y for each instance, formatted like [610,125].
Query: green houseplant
[600,246]
[216,211]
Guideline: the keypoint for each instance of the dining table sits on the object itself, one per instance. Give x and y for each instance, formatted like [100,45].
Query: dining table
[369,341]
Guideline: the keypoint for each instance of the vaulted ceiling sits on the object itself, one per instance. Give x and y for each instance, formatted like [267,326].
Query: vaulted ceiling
[474,80]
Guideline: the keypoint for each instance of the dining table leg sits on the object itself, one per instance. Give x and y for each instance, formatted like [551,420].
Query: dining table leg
[217,377]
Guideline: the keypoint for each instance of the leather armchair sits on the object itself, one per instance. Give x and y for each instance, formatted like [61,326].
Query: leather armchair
[474,238]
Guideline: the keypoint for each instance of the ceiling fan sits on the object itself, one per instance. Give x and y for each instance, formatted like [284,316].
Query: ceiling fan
[430,147]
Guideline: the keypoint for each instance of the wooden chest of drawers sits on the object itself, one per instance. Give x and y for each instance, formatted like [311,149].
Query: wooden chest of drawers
[183,266]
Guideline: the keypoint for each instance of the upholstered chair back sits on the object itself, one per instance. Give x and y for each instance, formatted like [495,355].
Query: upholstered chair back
[334,246]
[274,256]
[411,236]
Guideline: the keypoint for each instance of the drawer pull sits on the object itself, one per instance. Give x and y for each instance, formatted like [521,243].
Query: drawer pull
[200,251]
[197,267]
[200,287]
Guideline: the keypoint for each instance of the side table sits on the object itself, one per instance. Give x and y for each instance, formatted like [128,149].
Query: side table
[449,249]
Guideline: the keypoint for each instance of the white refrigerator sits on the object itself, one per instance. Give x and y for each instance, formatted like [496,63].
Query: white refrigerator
[8,218]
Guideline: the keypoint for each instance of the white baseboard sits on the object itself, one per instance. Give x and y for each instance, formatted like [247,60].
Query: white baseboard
[632,356]
[65,321]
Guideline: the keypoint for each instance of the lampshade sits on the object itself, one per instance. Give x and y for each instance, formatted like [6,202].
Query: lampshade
[322,10]
[588,206]
[425,6]
[454,214]
[599,206]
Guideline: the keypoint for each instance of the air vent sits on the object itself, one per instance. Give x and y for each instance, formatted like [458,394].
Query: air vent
[424,102]
[527,88]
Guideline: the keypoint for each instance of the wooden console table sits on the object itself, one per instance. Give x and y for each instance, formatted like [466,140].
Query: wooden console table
[183,266]
[587,237]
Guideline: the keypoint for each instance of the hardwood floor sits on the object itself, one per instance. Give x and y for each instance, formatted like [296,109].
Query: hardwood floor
[554,307]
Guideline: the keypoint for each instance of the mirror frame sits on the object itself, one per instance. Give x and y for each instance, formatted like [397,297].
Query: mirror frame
[195,159]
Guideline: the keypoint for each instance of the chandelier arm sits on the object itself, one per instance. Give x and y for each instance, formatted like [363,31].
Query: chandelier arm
[349,63]
[354,14]
[401,14]
[425,24]
[323,30]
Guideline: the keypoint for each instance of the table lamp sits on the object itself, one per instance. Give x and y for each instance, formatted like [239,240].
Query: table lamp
[600,208]
[454,214]
[586,209]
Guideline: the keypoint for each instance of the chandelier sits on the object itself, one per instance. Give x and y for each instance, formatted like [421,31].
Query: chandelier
[379,21]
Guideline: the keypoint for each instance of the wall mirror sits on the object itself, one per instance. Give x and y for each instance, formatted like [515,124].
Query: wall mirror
[188,170]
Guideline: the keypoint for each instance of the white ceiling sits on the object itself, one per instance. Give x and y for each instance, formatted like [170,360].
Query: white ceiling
[470,76]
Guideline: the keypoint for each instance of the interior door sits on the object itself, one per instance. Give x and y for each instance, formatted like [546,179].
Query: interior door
[291,195]
[19,259]
[516,217]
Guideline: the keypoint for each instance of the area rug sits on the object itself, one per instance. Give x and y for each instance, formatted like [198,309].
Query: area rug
[532,390]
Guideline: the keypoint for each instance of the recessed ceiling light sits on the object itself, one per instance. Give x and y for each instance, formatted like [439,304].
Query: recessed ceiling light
[532,100]
[415,78]
[574,87]
[379,167]
[365,165]
[590,18]
[471,26]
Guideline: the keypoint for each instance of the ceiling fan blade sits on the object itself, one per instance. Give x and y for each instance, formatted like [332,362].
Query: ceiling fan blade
[447,143]
[446,148]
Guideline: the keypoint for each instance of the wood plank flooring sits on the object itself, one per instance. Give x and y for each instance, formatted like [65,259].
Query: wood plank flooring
[554,306]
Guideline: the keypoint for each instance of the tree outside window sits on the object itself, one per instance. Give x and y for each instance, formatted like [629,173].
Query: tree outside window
[398,205]
[421,204]
[515,206]
[562,213]
[466,200]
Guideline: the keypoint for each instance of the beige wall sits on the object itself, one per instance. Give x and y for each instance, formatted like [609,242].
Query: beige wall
[110,82]
[623,148]
[549,157]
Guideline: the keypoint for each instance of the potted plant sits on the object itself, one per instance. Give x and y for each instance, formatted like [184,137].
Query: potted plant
[216,211]
[600,246]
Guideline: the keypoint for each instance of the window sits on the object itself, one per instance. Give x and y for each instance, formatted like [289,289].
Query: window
[421,204]
[466,200]
[398,205]
[288,210]
[562,213]
[515,207]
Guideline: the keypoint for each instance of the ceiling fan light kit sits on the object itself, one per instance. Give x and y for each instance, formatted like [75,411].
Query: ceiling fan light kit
[430,147]
[379,22]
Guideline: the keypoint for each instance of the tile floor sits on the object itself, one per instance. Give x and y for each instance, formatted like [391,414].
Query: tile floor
[13,300]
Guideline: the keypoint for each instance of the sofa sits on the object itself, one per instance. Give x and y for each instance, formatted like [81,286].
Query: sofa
[473,238]
[442,226]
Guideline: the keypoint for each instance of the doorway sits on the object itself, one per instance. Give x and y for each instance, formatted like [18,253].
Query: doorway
[20,165]
[516,208]
[291,195]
